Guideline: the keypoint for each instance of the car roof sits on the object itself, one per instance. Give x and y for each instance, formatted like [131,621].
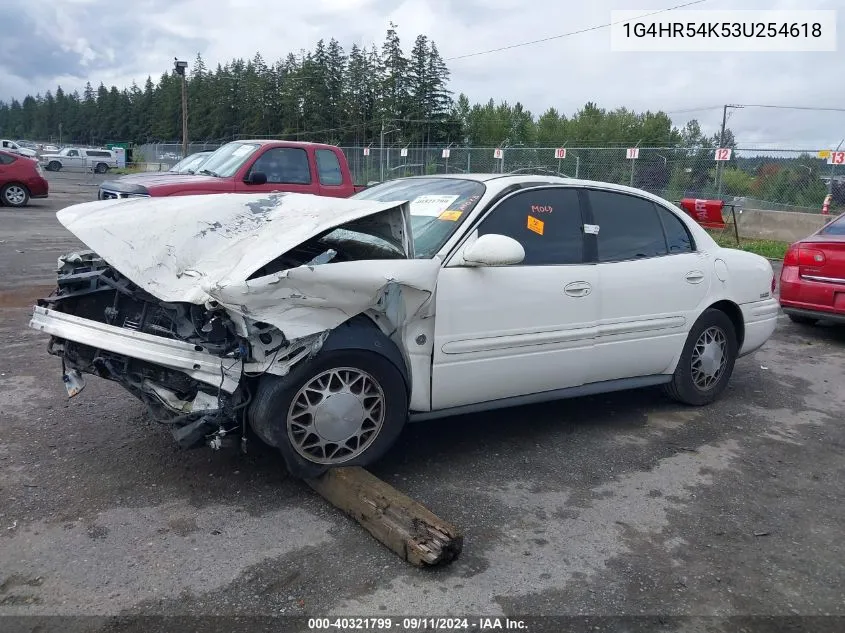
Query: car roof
[270,141]
[501,181]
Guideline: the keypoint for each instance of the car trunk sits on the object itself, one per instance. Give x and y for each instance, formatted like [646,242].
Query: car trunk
[821,260]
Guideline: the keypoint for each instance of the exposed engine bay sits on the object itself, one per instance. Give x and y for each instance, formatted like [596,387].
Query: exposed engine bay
[196,411]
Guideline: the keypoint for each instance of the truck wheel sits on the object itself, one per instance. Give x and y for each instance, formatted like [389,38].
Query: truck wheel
[344,408]
[101,168]
[54,165]
[14,195]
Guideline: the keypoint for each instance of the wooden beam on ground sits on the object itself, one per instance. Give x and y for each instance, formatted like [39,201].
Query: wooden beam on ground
[408,528]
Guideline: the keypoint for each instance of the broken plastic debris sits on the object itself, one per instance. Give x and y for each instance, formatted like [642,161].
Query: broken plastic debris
[74,382]
[763,367]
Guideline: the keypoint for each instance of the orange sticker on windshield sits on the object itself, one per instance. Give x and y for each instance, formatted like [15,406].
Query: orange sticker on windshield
[451,216]
[535,225]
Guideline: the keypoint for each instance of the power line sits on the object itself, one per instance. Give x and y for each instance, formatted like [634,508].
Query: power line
[780,107]
[585,30]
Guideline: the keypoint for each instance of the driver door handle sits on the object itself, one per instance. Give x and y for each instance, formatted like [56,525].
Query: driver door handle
[695,276]
[578,289]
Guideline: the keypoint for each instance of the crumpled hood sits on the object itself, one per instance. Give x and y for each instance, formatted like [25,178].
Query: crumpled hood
[181,248]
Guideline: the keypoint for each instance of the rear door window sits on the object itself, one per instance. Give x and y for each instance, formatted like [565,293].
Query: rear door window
[328,167]
[629,227]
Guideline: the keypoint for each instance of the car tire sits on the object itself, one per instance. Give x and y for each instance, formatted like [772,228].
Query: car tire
[279,401]
[707,360]
[101,168]
[802,320]
[14,195]
[54,165]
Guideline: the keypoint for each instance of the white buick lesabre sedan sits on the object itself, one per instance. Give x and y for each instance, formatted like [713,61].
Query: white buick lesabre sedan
[324,325]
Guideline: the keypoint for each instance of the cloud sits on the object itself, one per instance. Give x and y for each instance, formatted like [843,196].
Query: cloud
[46,42]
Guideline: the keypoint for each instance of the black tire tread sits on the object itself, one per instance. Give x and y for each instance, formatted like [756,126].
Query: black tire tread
[3,195]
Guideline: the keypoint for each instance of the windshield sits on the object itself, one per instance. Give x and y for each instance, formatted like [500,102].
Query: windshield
[65,151]
[438,205]
[228,159]
[190,164]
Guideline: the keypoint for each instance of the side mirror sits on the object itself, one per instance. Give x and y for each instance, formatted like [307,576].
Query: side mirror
[494,250]
[256,178]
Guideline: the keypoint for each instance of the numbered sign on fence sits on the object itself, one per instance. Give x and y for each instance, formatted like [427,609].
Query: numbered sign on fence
[723,153]
[632,152]
[366,151]
[836,158]
[445,153]
[403,152]
[560,153]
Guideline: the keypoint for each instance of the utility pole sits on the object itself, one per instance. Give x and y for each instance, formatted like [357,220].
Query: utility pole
[180,70]
[720,167]
[381,154]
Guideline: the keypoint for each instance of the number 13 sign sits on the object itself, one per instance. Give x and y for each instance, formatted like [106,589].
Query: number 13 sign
[723,153]
[836,158]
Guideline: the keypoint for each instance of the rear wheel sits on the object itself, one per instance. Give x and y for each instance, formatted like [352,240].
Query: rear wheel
[344,408]
[14,195]
[707,361]
[802,320]
[101,168]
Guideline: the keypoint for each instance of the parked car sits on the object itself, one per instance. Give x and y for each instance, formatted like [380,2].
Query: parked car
[21,178]
[325,324]
[249,167]
[187,165]
[80,159]
[190,164]
[812,280]
[14,147]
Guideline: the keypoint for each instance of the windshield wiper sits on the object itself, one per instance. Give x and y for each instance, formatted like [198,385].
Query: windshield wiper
[209,173]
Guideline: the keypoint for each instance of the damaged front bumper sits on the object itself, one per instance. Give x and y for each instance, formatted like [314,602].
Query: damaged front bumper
[223,374]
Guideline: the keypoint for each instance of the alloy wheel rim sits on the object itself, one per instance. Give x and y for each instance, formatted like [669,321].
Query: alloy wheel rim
[15,195]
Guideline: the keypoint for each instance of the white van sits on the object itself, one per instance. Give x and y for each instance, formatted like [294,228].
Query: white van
[80,159]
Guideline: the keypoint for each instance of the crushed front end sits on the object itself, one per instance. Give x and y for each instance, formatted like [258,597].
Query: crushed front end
[184,361]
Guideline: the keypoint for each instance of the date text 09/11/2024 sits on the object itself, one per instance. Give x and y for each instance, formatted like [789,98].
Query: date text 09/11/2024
[416,624]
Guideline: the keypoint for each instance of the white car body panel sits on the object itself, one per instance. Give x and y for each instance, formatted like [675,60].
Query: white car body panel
[491,333]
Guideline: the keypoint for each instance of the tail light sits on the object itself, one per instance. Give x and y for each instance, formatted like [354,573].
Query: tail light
[774,283]
[804,256]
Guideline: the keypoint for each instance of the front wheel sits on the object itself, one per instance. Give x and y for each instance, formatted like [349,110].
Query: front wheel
[14,195]
[707,361]
[344,408]
[54,165]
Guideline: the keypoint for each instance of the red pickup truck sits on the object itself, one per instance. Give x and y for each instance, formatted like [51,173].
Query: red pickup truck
[248,167]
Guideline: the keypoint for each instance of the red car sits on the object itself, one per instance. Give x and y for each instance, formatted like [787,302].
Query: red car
[21,178]
[812,282]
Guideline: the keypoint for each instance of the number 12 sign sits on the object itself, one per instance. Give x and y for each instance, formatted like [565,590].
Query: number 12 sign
[836,158]
[723,153]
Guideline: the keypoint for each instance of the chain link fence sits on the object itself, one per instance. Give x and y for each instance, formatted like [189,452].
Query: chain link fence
[782,180]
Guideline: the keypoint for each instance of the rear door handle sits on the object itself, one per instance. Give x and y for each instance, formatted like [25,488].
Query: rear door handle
[578,289]
[695,276]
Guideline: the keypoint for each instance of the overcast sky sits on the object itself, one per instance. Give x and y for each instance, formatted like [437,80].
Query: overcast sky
[48,42]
